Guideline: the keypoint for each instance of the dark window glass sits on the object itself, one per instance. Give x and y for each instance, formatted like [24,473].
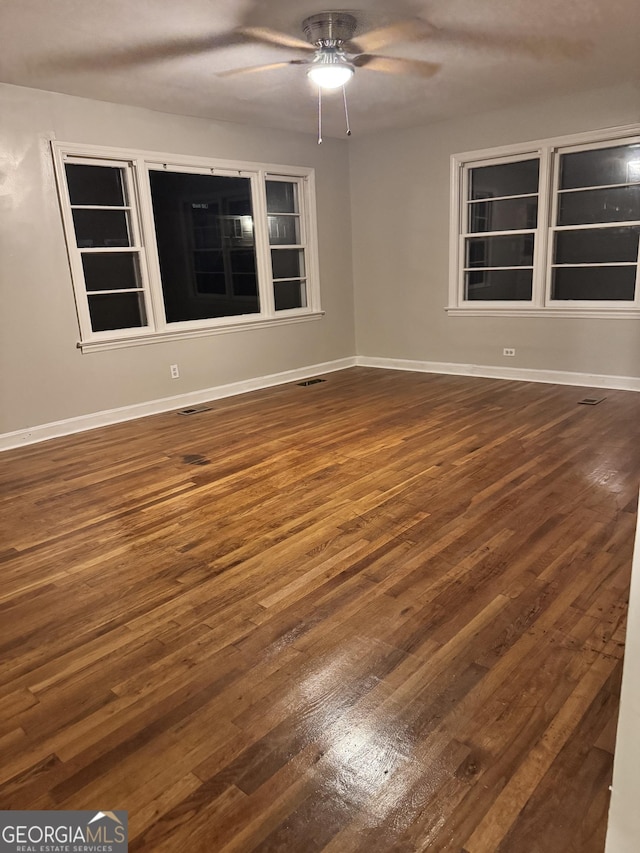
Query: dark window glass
[207,226]
[287,263]
[100,185]
[101,228]
[290,294]
[621,204]
[507,251]
[597,245]
[505,179]
[211,283]
[600,167]
[193,213]
[240,206]
[284,230]
[499,285]
[116,311]
[245,282]
[113,271]
[209,262]
[506,215]
[242,261]
[596,283]
[282,197]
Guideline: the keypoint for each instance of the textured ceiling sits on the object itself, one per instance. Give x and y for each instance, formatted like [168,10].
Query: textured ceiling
[492,53]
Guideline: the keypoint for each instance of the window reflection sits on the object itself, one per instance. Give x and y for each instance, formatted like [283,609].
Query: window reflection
[206,247]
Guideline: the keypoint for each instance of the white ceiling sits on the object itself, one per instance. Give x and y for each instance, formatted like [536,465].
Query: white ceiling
[492,53]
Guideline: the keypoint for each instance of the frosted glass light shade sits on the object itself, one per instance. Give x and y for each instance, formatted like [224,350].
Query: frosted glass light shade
[330,75]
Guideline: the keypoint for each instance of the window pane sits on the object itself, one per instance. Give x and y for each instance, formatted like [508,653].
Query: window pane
[101,185]
[282,197]
[499,285]
[213,213]
[615,283]
[116,311]
[620,165]
[207,226]
[507,215]
[245,282]
[287,263]
[115,271]
[597,245]
[101,228]
[209,261]
[284,230]
[611,205]
[505,179]
[213,283]
[290,294]
[515,251]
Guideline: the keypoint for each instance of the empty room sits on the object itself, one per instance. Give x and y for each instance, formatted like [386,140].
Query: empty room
[319,426]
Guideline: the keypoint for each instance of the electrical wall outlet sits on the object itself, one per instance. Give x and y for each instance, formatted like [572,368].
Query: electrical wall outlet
[508,351]
[175,373]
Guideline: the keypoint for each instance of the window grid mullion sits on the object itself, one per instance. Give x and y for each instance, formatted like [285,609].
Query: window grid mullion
[500,198]
[590,226]
[591,188]
[263,248]
[540,254]
[116,290]
[482,234]
[516,267]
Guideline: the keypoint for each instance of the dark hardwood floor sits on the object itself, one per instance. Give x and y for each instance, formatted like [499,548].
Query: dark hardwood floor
[381,613]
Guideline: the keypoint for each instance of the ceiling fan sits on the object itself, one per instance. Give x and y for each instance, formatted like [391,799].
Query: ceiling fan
[336,55]
[329,37]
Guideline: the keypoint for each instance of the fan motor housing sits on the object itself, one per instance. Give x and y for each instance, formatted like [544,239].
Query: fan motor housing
[329,27]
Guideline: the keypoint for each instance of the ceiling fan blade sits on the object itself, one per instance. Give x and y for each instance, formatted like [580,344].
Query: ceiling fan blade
[112,60]
[275,37]
[233,72]
[414,29]
[395,65]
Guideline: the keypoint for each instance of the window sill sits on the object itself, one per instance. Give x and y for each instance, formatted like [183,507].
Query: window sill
[574,313]
[160,337]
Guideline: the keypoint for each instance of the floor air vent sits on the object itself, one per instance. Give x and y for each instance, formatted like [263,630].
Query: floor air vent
[591,401]
[194,410]
[196,459]
[311,382]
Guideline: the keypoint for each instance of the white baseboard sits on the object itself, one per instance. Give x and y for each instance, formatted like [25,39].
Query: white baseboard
[43,432]
[554,377]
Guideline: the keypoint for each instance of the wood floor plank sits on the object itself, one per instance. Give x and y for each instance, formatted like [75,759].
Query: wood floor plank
[384,612]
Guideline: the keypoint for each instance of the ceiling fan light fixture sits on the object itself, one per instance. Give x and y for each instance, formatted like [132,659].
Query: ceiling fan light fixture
[331,69]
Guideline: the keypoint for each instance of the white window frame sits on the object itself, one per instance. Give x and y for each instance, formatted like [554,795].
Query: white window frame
[541,304]
[137,166]
[303,245]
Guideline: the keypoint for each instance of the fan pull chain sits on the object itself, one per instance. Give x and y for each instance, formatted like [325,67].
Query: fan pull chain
[346,108]
[319,115]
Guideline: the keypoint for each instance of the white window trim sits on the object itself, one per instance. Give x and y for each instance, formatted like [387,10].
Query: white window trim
[137,164]
[540,305]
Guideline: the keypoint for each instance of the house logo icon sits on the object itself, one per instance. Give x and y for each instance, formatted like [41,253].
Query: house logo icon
[99,815]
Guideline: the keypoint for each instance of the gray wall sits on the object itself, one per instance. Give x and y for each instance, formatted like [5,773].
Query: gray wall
[43,376]
[400,222]
[383,199]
